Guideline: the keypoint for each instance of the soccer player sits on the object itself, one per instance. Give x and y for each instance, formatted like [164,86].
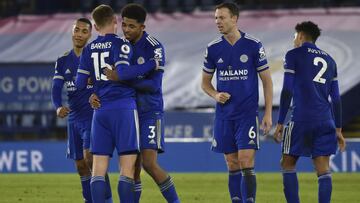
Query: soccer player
[149,101]
[315,128]
[238,59]
[115,123]
[79,111]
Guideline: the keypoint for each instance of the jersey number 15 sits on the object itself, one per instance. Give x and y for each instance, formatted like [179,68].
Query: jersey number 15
[99,64]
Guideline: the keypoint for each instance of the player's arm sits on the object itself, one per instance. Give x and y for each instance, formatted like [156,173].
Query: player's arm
[56,91]
[83,71]
[150,84]
[337,109]
[262,68]
[207,86]
[286,95]
[266,80]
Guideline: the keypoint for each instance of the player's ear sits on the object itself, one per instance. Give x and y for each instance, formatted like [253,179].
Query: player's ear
[142,26]
[96,27]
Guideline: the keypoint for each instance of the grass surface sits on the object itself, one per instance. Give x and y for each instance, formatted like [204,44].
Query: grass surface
[191,187]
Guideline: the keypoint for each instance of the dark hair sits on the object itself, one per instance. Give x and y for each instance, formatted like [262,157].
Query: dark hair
[85,20]
[134,11]
[102,15]
[234,9]
[310,29]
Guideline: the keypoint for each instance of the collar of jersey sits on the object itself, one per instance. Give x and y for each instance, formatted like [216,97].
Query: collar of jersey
[309,44]
[142,39]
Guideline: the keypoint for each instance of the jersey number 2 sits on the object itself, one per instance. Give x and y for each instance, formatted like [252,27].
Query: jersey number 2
[99,64]
[318,77]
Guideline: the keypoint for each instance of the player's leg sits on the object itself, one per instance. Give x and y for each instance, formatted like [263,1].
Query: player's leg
[294,137]
[137,180]
[126,132]
[102,147]
[234,181]
[248,182]
[290,180]
[75,149]
[98,183]
[86,133]
[224,142]
[126,180]
[151,143]
[161,177]
[322,168]
[324,144]
[247,140]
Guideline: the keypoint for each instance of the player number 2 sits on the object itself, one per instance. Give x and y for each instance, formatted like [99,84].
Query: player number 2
[152,132]
[318,77]
[252,133]
[100,64]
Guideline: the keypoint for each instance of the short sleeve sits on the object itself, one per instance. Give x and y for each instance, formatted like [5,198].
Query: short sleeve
[260,59]
[209,66]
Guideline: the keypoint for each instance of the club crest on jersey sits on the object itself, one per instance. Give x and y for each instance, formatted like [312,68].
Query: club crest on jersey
[244,58]
[125,49]
[140,60]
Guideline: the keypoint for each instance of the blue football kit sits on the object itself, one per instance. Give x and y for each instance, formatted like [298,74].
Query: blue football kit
[115,123]
[149,97]
[310,78]
[237,67]
[80,116]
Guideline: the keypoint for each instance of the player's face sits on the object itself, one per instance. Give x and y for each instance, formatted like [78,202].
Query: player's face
[81,34]
[224,20]
[132,29]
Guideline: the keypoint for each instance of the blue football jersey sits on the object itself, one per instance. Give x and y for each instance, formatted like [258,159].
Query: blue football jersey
[313,70]
[104,52]
[143,50]
[65,73]
[236,68]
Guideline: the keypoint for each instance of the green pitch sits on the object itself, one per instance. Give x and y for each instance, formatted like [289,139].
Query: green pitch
[192,187]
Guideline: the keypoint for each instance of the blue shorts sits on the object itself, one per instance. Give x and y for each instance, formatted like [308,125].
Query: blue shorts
[310,138]
[233,135]
[117,128]
[152,133]
[78,139]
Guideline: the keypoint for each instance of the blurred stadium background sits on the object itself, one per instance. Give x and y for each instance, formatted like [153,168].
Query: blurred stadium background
[34,33]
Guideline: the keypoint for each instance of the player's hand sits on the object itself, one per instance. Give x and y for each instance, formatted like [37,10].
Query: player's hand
[266,123]
[278,133]
[111,74]
[62,111]
[94,101]
[341,140]
[222,97]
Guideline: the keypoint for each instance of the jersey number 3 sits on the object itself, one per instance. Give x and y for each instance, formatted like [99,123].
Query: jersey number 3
[318,78]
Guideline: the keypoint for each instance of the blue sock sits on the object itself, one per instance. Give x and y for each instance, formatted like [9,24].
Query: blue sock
[108,195]
[291,186]
[325,188]
[167,189]
[97,186]
[86,191]
[248,185]
[234,185]
[126,189]
[137,190]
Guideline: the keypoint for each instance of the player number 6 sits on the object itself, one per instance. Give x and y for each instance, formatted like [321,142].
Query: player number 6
[252,133]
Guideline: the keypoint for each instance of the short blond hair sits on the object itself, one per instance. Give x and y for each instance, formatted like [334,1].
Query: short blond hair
[102,15]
